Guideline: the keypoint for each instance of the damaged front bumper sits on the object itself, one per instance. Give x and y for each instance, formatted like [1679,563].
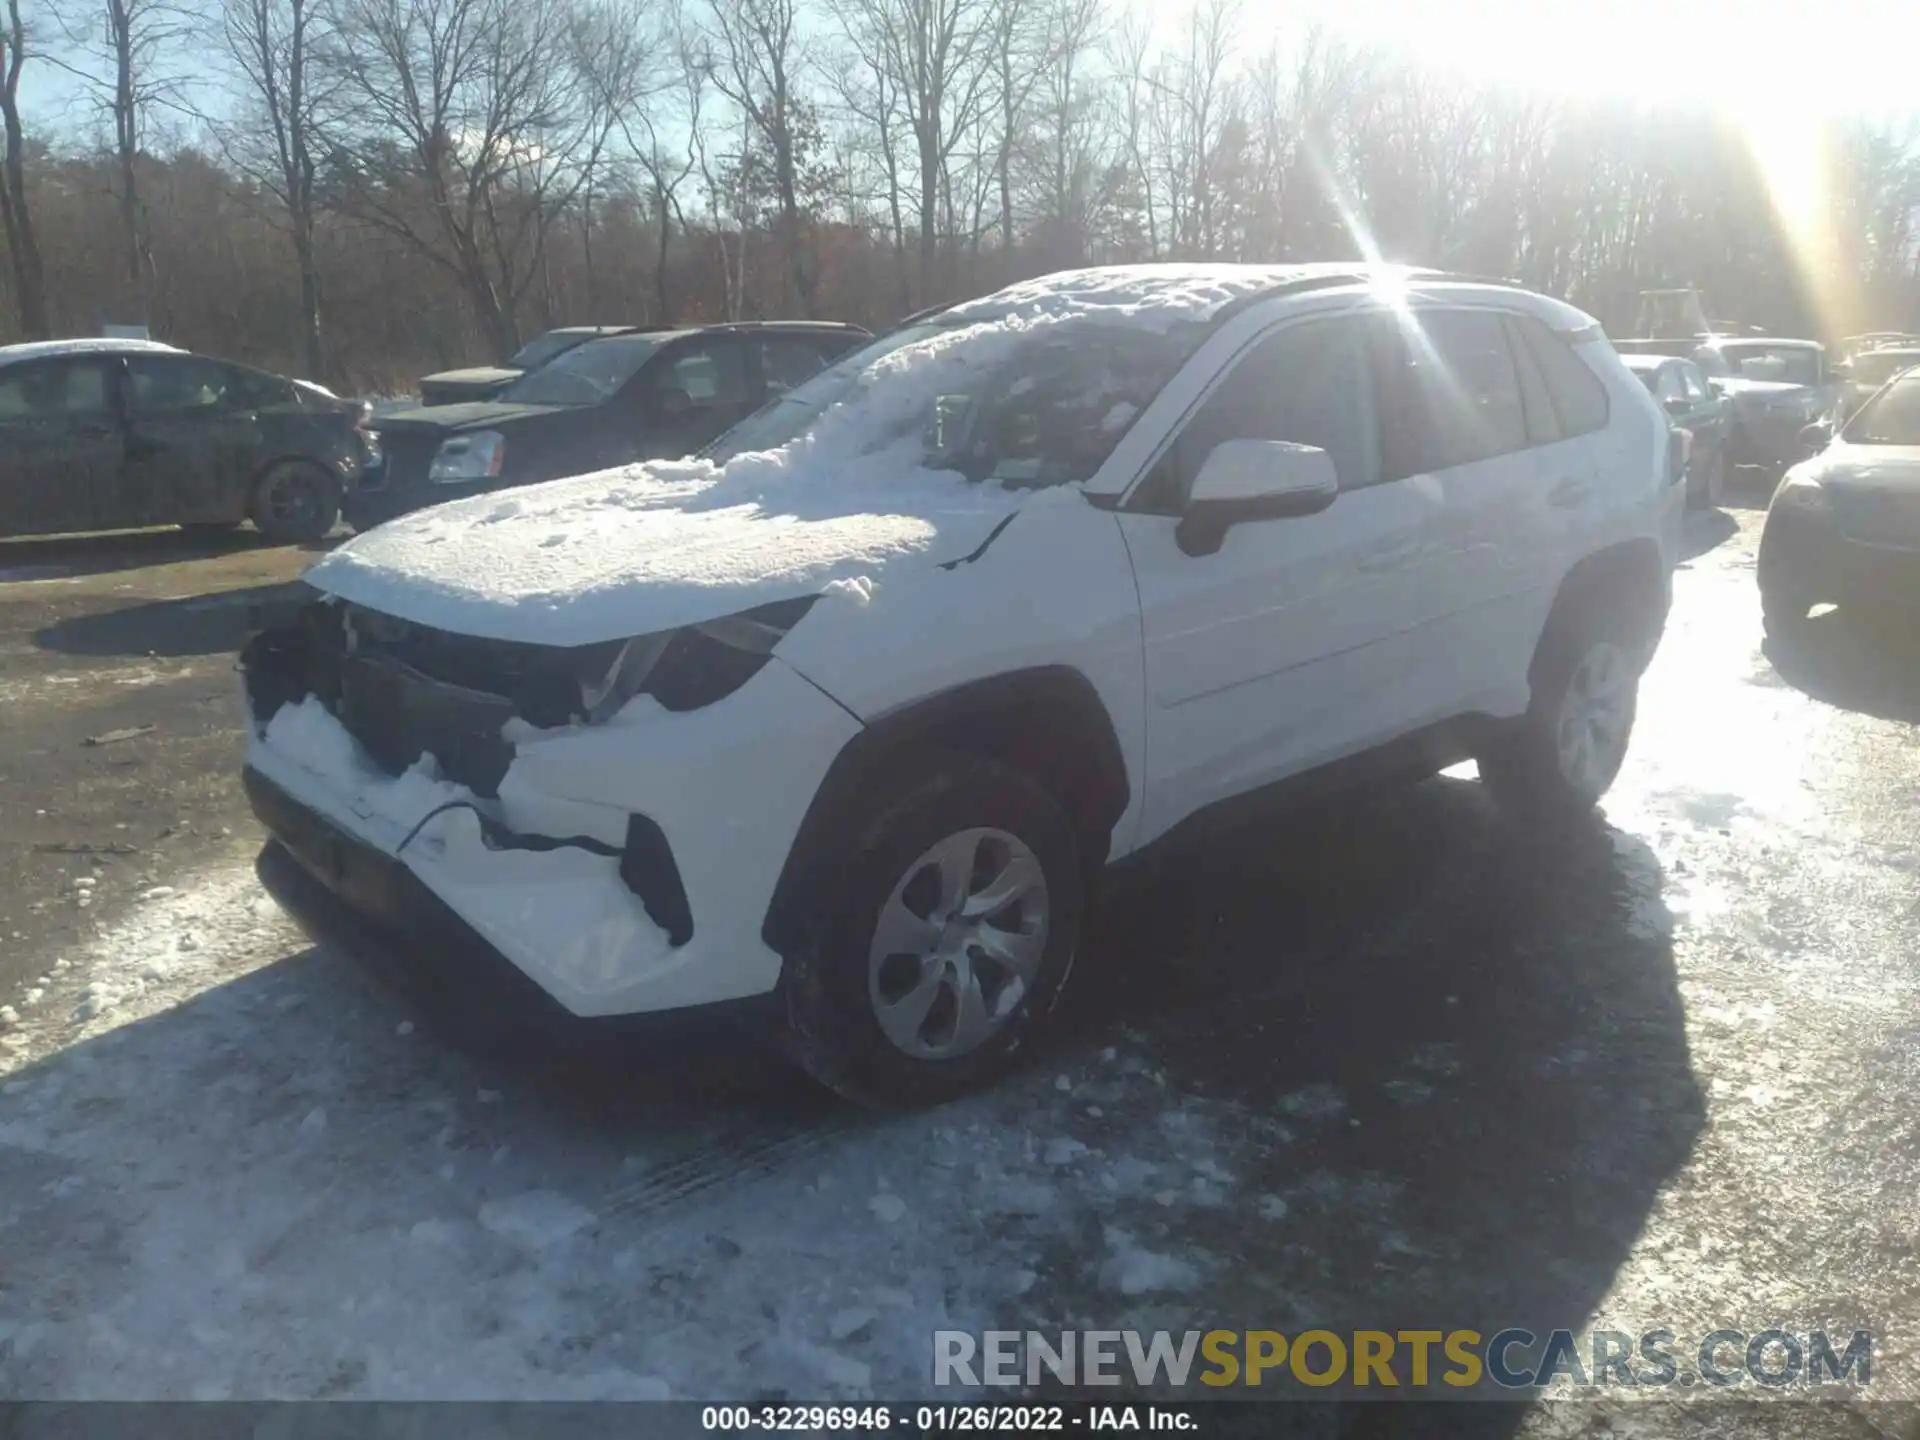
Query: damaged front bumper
[623,867]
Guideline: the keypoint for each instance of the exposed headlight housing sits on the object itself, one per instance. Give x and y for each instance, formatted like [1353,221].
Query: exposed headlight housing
[478,456]
[694,666]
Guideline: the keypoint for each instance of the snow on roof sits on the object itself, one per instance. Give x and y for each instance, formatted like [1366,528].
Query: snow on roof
[82,345]
[1160,295]
[846,492]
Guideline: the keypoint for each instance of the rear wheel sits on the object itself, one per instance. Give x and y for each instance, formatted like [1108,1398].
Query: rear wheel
[946,940]
[295,501]
[1562,756]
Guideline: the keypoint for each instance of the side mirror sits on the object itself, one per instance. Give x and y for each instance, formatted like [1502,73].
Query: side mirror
[1677,404]
[1842,369]
[1246,480]
[1817,436]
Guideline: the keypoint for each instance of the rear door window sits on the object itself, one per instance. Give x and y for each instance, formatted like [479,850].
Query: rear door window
[1452,395]
[56,390]
[1579,399]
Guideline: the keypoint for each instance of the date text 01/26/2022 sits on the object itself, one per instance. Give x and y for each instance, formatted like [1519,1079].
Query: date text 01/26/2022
[933,1419]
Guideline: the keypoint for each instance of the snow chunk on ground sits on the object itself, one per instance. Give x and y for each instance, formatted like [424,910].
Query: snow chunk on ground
[1135,1271]
[536,1219]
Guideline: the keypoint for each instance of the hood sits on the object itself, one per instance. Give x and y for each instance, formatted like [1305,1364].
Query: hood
[472,415]
[478,375]
[1868,467]
[653,547]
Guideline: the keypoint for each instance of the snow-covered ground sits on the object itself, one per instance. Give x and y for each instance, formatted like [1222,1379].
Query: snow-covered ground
[231,1165]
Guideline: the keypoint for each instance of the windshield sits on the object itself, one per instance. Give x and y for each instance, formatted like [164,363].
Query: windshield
[585,375]
[1787,364]
[1026,406]
[1890,418]
[1879,366]
[538,351]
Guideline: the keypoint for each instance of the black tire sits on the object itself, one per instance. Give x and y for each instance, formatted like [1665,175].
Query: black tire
[1524,765]
[1783,612]
[295,502]
[831,984]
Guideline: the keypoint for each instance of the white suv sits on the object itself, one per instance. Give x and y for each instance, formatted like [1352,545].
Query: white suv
[849,712]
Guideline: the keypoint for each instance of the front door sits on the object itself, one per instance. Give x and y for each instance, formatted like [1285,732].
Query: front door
[689,397]
[193,441]
[60,443]
[1262,658]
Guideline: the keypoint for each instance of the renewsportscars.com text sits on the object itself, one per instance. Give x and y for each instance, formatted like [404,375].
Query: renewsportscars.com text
[1442,1360]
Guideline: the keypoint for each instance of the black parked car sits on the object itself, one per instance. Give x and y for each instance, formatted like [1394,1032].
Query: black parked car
[115,434]
[1694,406]
[638,395]
[1777,388]
[483,382]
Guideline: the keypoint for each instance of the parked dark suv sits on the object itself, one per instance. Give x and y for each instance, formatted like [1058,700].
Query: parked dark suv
[636,395]
[115,434]
[483,382]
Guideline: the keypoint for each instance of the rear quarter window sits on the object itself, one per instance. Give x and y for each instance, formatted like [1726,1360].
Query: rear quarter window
[1579,399]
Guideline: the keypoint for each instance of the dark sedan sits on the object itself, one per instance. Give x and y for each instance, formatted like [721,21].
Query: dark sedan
[1693,405]
[117,434]
[484,382]
[640,395]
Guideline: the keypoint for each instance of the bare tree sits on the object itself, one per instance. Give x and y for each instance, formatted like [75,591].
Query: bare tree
[759,65]
[471,128]
[276,139]
[936,53]
[16,219]
[125,54]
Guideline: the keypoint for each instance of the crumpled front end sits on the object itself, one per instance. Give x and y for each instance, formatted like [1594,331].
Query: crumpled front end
[611,818]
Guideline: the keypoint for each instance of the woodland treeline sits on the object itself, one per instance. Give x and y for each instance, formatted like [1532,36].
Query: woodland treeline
[364,190]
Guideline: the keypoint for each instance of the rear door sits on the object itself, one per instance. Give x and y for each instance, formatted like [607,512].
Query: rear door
[193,440]
[61,443]
[782,362]
[690,395]
[1463,425]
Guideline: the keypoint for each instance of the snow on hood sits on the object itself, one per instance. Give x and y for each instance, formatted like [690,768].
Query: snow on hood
[647,548]
[651,547]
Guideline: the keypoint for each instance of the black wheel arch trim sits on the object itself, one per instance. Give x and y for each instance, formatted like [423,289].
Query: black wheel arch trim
[1047,721]
[1632,569]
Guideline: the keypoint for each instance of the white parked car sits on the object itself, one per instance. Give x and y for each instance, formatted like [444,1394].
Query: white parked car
[848,713]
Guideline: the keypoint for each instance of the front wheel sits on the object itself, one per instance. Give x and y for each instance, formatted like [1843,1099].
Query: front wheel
[946,940]
[1562,756]
[1710,485]
[1783,612]
[295,502]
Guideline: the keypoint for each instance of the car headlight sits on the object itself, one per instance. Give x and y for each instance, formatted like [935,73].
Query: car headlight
[478,456]
[1800,489]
